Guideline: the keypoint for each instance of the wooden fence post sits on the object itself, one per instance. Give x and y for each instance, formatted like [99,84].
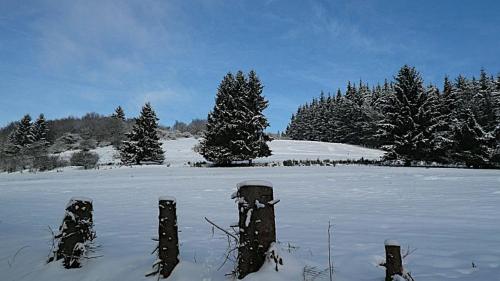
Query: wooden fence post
[257,228]
[168,246]
[393,261]
[75,230]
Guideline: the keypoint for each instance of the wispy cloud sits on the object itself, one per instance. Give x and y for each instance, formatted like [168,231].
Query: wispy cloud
[102,39]
[335,25]
[156,97]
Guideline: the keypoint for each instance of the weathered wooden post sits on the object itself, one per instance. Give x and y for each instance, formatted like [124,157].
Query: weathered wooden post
[168,246]
[393,261]
[257,228]
[75,230]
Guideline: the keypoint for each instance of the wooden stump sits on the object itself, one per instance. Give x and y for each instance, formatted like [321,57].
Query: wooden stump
[168,248]
[257,229]
[393,261]
[75,230]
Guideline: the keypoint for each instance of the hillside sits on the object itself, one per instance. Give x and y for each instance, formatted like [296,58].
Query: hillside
[180,151]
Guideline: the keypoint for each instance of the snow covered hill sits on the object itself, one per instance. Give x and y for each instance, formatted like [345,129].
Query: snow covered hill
[180,151]
[449,215]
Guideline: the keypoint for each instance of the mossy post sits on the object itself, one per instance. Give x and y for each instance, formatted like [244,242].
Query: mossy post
[168,247]
[257,230]
[393,261]
[75,230]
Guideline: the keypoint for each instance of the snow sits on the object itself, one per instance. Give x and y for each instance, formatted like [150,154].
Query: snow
[107,155]
[449,215]
[78,199]
[311,150]
[390,242]
[179,152]
[254,183]
[249,217]
[167,198]
[259,205]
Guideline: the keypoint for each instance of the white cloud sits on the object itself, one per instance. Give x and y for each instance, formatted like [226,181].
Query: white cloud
[330,23]
[102,39]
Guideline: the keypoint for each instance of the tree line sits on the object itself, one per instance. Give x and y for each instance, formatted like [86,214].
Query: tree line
[234,131]
[412,122]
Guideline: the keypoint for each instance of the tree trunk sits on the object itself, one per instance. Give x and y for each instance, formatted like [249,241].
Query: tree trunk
[393,261]
[256,225]
[168,251]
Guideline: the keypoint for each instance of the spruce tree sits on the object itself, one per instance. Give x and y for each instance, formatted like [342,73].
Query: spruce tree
[40,129]
[143,143]
[222,140]
[235,128]
[496,99]
[472,146]
[496,107]
[407,127]
[435,128]
[22,136]
[117,128]
[485,102]
[119,113]
[256,121]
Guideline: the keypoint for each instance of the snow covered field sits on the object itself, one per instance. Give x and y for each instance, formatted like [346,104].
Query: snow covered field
[180,151]
[450,216]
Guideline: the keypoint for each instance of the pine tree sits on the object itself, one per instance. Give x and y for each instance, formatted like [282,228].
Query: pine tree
[496,99]
[471,144]
[495,158]
[119,113]
[408,124]
[22,136]
[495,95]
[222,141]
[257,122]
[40,129]
[235,129]
[143,143]
[435,128]
[485,102]
[117,128]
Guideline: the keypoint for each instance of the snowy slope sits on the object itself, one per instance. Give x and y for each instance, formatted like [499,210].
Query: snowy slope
[180,151]
[302,150]
[449,215]
[107,155]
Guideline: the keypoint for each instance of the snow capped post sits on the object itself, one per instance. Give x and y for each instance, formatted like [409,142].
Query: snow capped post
[393,262]
[256,224]
[168,246]
[75,232]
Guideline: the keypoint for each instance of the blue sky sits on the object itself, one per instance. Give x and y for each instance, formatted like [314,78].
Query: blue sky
[71,57]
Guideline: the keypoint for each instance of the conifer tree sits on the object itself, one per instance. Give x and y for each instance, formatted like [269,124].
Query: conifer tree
[408,118]
[143,143]
[119,113]
[235,128]
[257,122]
[118,127]
[485,102]
[40,130]
[222,141]
[472,146]
[22,136]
